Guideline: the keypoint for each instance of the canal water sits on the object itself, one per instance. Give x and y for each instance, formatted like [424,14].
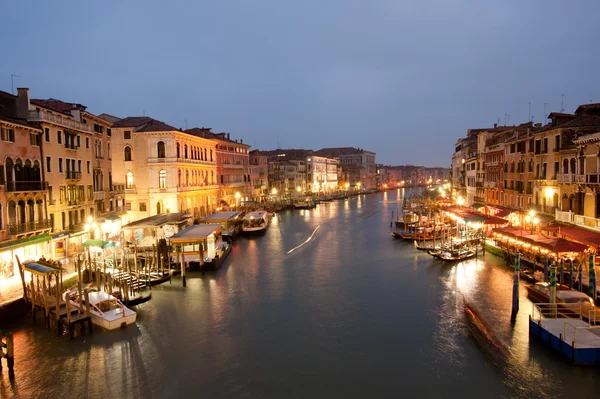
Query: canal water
[351,312]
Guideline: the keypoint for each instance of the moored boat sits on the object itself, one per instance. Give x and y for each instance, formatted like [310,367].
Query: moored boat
[106,311]
[455,255]
[255,222]
[540,293]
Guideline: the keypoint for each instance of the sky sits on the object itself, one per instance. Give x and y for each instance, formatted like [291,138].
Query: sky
[404,79]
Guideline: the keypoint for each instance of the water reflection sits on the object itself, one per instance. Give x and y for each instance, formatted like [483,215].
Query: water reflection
[351,313]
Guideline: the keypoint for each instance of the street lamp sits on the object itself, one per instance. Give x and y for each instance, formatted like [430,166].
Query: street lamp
[299,189]
[460,201]
[237,198]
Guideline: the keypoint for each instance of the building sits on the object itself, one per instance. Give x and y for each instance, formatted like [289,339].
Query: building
[162,169]
[355,156]
[24,221]
[259,175]
[233,160]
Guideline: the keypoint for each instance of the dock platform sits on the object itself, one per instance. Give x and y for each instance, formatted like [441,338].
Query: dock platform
[576,339]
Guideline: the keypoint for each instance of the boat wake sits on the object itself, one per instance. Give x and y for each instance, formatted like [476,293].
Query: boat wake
[306,241]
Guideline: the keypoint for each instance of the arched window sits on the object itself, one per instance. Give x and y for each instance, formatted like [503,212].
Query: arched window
[565,166]
[158,208]
[178,149]
[179,178]
[212,176]
[129,180]
[185,153]
[9,170]
[127,154]
[531,165]
[202,154]
[160,148]
[162,179]
[574,166]
[187,178]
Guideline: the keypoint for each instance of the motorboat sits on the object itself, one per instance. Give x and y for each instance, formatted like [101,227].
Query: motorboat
[255,222]
[540,293]
[106,311]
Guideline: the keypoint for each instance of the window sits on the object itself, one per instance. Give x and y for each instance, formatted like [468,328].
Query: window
[47,135]
[7,134]
[62,192]
[177,146]
[35,139]
[90,190]
[109,153]
[60,165]
[108,132]
[78,141]
[127,134]
[87,143]
[162,179]
[88,167]
[59,137]
[48,164]
[142,207]
[160,147]
[129,180]
[127,154]
[128,205]
[79,166]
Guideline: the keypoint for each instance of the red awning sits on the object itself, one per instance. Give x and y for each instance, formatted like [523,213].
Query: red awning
[562,245]
[575,233]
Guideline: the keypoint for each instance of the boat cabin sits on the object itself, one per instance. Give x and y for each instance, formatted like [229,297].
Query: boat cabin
[201,241]
[230,222]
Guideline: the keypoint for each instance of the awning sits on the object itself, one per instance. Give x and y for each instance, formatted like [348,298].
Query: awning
[563,245]
[112,217]
[25,241]
[94,243]
[574,233]
[477,206]
[40,268]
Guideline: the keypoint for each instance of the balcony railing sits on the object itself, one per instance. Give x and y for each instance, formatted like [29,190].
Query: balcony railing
[543,209]
[179,160]
[567,178]
[99,195]
[118,188]
[45,116]
[130,189]
[22,228]
[16,186]
[564,216]
[71,146]
[72,175]
[586,221]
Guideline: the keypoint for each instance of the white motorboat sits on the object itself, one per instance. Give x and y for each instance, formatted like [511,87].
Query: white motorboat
[106,310]
[255,222]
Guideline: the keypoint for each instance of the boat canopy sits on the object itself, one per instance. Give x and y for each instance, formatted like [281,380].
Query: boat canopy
[195,233]
[41,269]
[220,217]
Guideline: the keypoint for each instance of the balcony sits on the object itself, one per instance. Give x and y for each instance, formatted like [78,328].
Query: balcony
[99,195]
[130,189]
[72,175]
[17,186]
[586,221]
[564,216]
[567,178]
[179,160]
[71,146]
[491,184]
[118,189]
[23,228]
[479,184]
[543,209]
[76,227]
[99,156]
[45,116]
[74,202]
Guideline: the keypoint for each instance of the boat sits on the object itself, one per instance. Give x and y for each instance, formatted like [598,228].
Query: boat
[540,293]
[106,310]
[304,204]
[255,222]
[455,255]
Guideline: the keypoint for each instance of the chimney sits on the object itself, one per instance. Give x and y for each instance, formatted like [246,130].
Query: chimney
[495,125]
[227,136]
[23,103]
[241,141]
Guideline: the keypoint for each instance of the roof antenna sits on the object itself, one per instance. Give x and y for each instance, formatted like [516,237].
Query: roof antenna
[144,112]
[12,83]
[530,111]
[545,114]
[562,103]
[186,124]
[278,147]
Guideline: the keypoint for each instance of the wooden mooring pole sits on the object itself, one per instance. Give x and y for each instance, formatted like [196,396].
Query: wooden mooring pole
[7,351]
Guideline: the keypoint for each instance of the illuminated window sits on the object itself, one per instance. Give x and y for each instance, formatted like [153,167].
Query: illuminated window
[162,179]
[129,180]
[161,149]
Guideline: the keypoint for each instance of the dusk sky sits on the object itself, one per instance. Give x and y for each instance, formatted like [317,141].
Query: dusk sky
[403,79]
